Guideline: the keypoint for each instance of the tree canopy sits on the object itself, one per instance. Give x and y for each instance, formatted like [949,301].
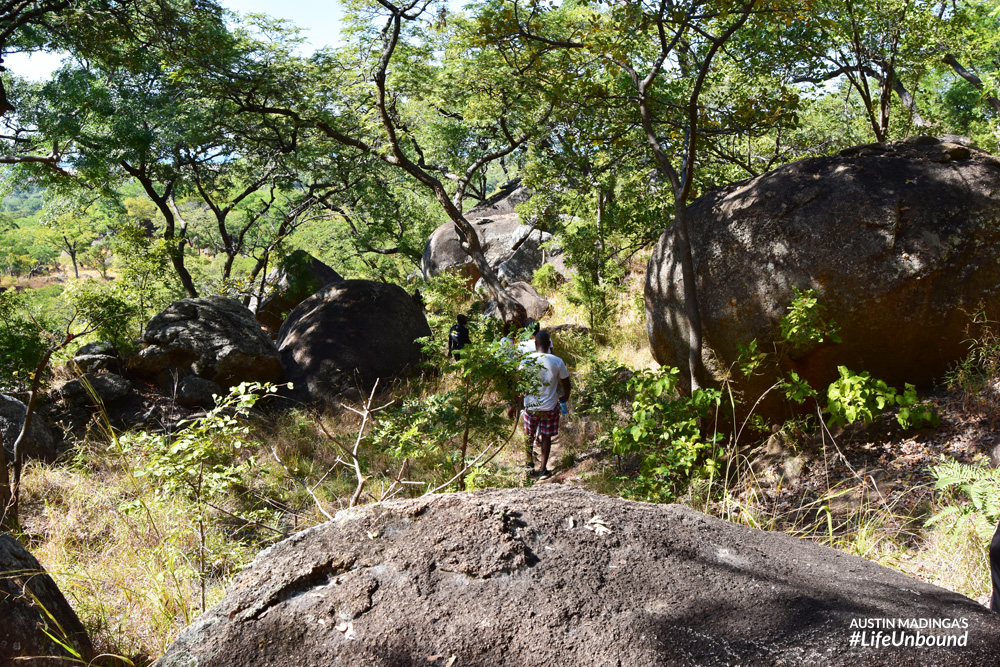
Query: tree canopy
[615,114]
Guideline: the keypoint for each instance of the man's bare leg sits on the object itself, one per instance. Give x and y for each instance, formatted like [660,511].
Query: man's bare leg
[544,444]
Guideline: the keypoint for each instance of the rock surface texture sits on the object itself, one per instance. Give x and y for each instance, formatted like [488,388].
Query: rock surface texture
[560,576]
[213,337]
[535,305]
[512,248]
[30,602]
[299,276]
[901,240]
[109,388]
[40,444]
[348,335]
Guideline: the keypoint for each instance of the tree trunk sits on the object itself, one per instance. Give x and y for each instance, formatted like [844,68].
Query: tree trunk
[5,494]
[11,515]
[682,244]
[177,260]
[71,251]
[510,310]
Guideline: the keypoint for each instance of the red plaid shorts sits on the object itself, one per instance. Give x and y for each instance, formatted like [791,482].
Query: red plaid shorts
[541,422]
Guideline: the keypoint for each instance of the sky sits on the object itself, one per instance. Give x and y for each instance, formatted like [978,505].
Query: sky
[319,20]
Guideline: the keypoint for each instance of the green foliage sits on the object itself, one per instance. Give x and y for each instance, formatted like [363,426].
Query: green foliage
[796,389]
[803,326]
[750,358]
[546,278]
[144,277]
[447,295]
[664,431]
[26,250]
[972,494]
[859,396]
[107,308]
[22,343]
[438,429]
[202,460]
[974,374]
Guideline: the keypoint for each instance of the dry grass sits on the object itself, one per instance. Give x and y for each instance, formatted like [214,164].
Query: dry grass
[955,558]
[128,568]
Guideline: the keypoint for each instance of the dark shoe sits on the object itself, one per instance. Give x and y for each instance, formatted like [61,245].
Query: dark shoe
[544,474]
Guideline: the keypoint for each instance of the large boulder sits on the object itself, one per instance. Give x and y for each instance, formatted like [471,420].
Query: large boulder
[347,336]
[513,249]
[299,276]
[40,443]
[535,305]
[213,337]
[37,620]
[901,241]
[565,577]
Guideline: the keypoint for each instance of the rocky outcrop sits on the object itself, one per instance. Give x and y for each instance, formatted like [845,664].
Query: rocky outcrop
[40,443]
[347,336]
[560,576]
[213,337]
[196,392]
[299,276]
[901,241]
[513,249]
[108,388]
[94,357]
[535,305]
[31,605]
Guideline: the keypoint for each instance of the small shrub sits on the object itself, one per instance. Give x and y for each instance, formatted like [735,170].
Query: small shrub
[974,375]
[546,278]
[971,493]
[859,396]
[664,432]
[803,325]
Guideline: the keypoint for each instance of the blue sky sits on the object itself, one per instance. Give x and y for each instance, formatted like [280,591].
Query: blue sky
[319,20]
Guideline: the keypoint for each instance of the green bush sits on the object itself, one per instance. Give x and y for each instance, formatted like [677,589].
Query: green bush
[664,431]
[22,343]
[859,396]
[803,324]
[441,430]
[546,278]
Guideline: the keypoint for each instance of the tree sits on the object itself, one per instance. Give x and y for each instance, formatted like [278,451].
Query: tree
[671,54]
[880,47]
[154,124]
[437,108]
[29,344]
[115,33]
[75,223]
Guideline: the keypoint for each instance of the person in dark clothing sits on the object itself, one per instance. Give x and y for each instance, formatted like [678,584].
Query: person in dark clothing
[458,336]
[995,569]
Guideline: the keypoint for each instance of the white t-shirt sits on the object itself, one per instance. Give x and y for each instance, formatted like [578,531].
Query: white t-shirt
[527,346]
[551,370]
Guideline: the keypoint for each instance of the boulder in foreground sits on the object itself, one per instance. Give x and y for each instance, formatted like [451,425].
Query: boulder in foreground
[560,576]
[31,605]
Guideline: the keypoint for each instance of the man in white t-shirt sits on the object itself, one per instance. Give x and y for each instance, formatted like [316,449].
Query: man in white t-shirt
[541,407]
[527,346]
